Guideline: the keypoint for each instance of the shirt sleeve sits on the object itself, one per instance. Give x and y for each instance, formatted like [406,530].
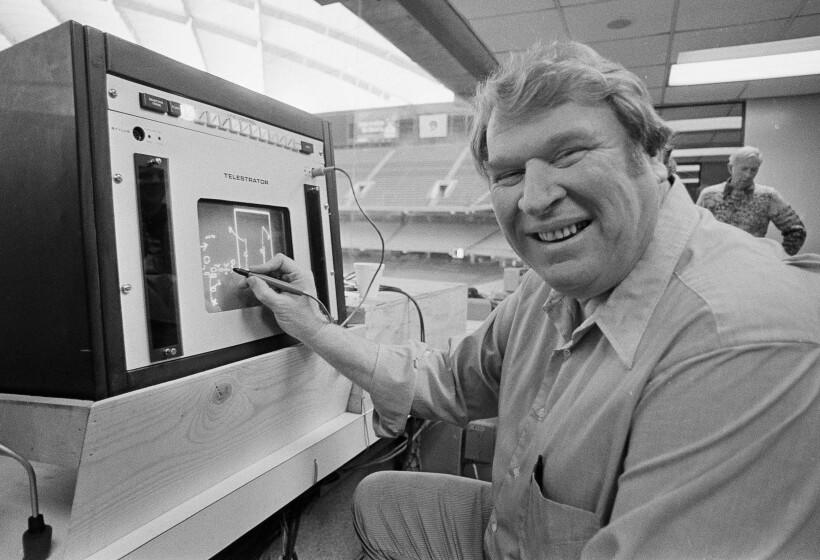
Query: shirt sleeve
[788,222]
[723,460]
[456,386]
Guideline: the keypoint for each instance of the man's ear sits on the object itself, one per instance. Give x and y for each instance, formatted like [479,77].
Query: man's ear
[658,168]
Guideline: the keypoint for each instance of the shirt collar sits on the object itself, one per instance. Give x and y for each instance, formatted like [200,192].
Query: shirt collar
[729,188]
[624,315]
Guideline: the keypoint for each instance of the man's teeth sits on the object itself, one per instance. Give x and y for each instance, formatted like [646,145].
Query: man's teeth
[558,234]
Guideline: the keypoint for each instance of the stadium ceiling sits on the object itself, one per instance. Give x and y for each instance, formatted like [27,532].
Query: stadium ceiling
[646,36]
[334,55]
[317,58]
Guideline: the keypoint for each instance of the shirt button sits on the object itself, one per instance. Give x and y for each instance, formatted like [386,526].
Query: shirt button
[567,353]
[493,526]
[515,472]
[541,413]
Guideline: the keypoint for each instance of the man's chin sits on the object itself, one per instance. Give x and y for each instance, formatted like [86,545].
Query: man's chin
[567,282]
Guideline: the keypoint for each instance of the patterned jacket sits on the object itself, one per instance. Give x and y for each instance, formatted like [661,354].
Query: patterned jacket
[752,209]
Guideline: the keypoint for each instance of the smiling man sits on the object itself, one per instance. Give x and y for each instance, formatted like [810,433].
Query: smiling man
[656,375]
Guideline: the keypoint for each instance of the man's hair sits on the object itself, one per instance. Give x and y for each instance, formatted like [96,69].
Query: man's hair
[744,153]
[544,77]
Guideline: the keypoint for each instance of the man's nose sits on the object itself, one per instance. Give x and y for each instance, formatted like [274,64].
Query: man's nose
[541,190]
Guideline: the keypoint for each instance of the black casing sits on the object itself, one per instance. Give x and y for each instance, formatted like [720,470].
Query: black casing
[60,318]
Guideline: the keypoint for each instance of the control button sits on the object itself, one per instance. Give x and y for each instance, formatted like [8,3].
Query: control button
[263,135]
[254,131]
[153,103]
[174,109]
[213,120]
[306,147]
[244,128]
[187,112]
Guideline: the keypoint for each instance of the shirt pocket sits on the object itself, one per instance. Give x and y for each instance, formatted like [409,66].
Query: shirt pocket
[552,530]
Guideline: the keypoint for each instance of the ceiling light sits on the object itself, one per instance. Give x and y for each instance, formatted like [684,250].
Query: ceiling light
[709,123]
[758,61]
[680,153]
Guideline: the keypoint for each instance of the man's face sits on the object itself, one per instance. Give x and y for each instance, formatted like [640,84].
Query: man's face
[744,172]
[571,197]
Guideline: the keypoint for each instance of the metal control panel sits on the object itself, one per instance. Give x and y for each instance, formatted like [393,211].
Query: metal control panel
[153,104]
[197,191]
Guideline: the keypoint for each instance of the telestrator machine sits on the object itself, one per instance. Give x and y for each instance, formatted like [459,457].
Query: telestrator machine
[132,186]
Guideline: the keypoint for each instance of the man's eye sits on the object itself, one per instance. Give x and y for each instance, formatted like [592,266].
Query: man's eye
[508,178]
[570,156]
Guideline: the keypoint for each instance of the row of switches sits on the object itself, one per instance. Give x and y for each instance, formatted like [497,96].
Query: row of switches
[253,131]
[213,119]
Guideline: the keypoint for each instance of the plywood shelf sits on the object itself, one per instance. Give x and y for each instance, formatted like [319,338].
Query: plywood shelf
[204,458]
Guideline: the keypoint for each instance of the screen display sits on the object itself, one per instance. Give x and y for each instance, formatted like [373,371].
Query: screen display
[232,235]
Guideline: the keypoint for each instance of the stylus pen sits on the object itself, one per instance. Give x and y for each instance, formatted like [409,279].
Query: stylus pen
[274,283]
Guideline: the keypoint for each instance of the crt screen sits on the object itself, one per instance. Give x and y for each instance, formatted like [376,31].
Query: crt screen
[237,235]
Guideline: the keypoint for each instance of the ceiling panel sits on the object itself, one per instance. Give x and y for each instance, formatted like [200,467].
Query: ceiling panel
[235,61]
[805,26]
[516,32]
[659,30]
[811,7]
[21,19]
[653,76]
[174,9]
[709,93]
[727,36]
[588,23]
[704,14]
[493,8]
[728,138]
[566,3]
[338,56]
[226,18]
[165,36]
[346,94]
[632,53]
[93,13]
[692,139]
[657,95]
[800,85]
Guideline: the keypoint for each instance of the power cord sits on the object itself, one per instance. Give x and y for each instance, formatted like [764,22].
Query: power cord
[37,538]
[422,334]
[316,172]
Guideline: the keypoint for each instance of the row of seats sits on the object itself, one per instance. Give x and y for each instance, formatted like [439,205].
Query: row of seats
[458,237]
[413,176]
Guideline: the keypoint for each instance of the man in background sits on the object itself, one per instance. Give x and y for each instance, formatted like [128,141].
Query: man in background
[742,203]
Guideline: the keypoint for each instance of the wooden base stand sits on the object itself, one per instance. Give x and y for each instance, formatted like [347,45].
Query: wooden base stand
[181,469]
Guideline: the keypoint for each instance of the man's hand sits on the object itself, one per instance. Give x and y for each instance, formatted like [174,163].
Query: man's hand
[296,315]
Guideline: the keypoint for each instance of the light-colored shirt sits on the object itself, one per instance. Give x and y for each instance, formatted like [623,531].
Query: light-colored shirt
[681,419]
[752,209]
